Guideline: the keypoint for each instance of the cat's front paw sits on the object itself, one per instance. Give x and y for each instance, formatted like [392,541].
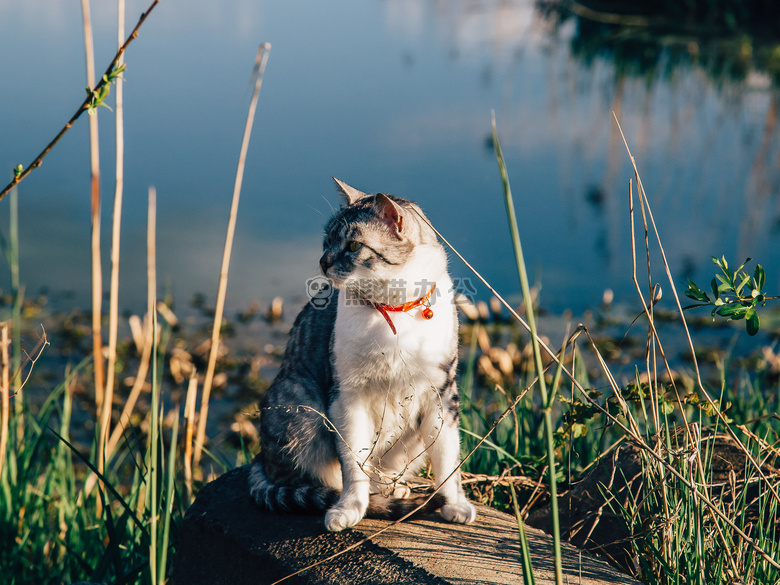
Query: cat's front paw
[338,518]
[463,512]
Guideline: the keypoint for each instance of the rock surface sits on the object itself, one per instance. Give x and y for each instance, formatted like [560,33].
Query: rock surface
[226,539]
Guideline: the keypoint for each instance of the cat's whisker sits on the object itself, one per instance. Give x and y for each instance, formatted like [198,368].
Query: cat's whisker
[325,199]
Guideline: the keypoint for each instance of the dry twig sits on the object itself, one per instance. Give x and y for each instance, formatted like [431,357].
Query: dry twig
[22,174]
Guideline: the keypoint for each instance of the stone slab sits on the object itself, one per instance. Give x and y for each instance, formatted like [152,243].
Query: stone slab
[226,539]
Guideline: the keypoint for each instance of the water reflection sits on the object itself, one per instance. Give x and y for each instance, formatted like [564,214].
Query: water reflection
[396,96]
[738,50]
[731,41]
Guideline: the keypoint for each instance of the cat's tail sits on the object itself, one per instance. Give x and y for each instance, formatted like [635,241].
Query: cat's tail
[314,498]
[282,498]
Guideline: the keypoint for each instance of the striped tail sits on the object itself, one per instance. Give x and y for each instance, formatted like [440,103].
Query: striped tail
[282,498]
[313,498]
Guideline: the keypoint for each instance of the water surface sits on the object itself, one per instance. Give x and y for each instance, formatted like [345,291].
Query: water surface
[393,96]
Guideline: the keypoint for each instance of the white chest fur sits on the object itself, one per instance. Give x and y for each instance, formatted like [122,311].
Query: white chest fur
[394,378]
[369,355]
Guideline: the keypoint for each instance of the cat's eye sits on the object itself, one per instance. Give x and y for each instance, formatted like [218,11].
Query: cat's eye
[354,246]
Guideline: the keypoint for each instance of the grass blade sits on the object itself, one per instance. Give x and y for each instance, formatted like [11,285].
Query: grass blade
[529,310]
[525,558]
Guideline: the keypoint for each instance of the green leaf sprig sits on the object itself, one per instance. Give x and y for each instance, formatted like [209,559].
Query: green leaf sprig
[735,294]
[101,91]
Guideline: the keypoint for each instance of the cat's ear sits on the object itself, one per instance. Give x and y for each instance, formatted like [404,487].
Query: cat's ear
[350,193]
[389,212]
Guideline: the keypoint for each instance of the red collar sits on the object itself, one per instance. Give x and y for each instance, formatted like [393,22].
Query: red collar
[406,307]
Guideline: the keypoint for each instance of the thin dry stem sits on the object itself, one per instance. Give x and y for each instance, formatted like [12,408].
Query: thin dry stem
[189,414]
[148,341]
[17,291]
[652,335]
[97,276]
[138,386]
[653,341]
[260,61]
[654,402]
[515,421]
[538,492]
[151,259]
[4,396]
[113,311]
[146,352]
[693,487]
[645,205]
[151,295]
[700,384]
[38,350]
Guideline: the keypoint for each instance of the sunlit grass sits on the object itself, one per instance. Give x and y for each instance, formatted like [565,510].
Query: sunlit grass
[683,522]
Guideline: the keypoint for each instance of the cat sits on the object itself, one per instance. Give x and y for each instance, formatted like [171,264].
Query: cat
[366,392]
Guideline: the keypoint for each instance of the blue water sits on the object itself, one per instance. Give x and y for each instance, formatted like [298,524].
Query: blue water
[393,96]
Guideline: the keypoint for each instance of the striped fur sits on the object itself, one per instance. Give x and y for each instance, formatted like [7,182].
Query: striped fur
[312,498]
[357,406]
[282,498]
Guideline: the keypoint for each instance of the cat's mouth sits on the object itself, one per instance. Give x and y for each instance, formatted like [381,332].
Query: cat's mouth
[336,279]
[342,279]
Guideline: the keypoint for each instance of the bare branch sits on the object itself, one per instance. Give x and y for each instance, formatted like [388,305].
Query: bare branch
[21,174]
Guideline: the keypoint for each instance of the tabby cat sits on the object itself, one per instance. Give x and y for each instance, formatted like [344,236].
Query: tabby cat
[366,393]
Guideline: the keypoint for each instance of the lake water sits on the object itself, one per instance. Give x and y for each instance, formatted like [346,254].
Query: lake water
[393,96]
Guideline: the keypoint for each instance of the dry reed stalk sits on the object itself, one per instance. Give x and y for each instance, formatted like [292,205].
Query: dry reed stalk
[189,414]
[689,482]
[4,391]
[151,256]
[138,385]
[113,311]
[151,294]
[17,291]
[97,276]
[654,401]
[146,353]
[260,60]
[653,342]
[700,385]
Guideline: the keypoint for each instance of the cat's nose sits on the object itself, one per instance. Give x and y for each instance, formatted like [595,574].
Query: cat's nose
[326,262]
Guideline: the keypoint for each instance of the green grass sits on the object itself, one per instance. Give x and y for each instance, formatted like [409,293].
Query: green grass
[687,517]
[668,545]
[53,531]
